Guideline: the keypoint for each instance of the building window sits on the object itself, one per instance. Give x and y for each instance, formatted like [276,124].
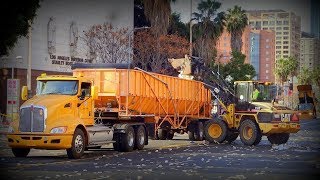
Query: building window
[267,46]
[267,77]
[267,59]
[267,65]
[267,71]
[278,33]
[271,23]
[285,47]
[265,23]
[271,28]
[278,28]
[267,52]
[285,33]
[285,28]
[285,37]
[279,22]
[285,22]
[265,28]
[267,40]
[285,52]
[278,42]
[278,52]
[278,38]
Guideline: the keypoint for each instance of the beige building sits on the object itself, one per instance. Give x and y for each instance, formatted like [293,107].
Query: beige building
[309,52]
[287,27]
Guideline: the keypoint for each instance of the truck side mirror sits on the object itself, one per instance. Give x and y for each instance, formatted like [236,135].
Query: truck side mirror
[94,92]
[24,93]
[83,94]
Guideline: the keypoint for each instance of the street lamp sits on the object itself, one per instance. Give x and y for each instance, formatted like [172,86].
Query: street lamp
[29,60]
[12,67]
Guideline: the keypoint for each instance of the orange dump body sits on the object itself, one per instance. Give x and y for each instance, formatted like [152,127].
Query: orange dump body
[135,93]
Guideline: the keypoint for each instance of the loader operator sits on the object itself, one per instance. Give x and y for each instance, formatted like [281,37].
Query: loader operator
[256,94]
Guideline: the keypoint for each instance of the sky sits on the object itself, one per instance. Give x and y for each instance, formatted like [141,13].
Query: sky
[299,7]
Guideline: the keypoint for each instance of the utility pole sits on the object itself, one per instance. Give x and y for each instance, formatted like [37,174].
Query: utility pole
[29,61]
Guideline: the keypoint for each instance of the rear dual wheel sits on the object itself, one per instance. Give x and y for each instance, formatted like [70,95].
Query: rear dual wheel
[196,131]
[130,140]
[165,133]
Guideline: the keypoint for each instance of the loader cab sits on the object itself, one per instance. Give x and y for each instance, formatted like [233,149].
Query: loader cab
[254,91]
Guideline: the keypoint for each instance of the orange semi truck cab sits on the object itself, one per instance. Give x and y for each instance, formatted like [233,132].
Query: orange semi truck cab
[62,116]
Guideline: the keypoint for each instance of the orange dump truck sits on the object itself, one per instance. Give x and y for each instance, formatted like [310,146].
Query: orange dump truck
[108,103]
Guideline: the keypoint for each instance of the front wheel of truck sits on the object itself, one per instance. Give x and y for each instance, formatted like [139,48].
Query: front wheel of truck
[78,145]
[20,152]
[280,138]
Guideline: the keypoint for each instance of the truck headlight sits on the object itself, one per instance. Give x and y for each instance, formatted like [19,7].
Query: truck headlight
[10,129]
[58,130]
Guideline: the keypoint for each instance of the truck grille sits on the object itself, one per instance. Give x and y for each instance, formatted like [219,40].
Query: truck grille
[32,119]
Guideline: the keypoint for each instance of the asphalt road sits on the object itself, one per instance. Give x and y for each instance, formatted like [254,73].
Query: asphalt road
[180,158]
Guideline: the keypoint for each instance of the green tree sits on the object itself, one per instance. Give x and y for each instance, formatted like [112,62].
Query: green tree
[286,67]
[178,27]
[236,21]
[236,69]
[208,29]
[15,17]
[316,76]
[305,76]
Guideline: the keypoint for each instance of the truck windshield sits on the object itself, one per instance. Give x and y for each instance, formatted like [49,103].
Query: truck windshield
[57,87]
[265,93]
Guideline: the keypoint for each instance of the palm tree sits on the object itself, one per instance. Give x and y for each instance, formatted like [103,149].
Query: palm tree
[208,29]
[286,67]
[236,21]
[158,12]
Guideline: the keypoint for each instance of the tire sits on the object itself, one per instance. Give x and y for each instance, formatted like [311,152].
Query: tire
[162,134]
[198,133]
[140,138]
[215,131]
[191,130]
[280,138]
[231,136]
[170,135]
[78,145]
[20,152]
[250,133]
[127,140]
[116,144]
[151,132]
